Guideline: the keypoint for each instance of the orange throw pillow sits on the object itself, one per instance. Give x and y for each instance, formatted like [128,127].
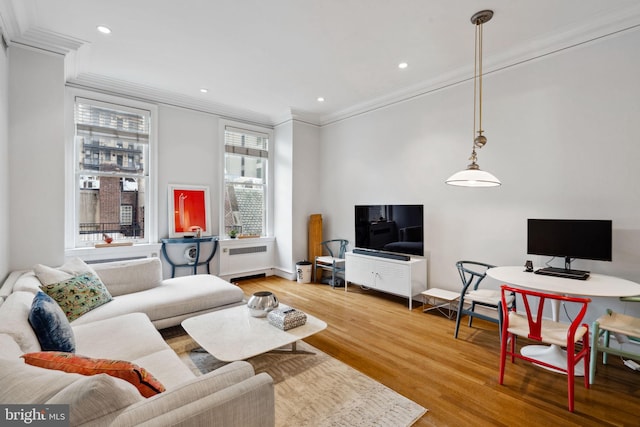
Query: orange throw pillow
[146,383]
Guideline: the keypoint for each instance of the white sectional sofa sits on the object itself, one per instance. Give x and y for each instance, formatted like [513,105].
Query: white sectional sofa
[125,329]
[137,287]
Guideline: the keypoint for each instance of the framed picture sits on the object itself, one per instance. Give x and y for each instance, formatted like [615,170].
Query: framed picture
[189,210]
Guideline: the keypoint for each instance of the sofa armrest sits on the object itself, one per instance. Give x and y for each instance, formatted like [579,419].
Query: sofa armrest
[248,403]
[8,285]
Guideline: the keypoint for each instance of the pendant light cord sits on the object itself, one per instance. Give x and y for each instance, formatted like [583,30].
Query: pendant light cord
[479,48]
[475,88]
[477,92]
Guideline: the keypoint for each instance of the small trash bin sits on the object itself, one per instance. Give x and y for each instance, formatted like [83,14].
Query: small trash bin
[303,269]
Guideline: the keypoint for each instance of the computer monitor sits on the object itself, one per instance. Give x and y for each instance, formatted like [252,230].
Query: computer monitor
[570,238]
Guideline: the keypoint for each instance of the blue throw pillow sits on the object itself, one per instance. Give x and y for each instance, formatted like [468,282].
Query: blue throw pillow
[51,325]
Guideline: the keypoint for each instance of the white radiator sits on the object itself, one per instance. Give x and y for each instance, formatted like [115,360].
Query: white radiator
[243,257]
[118,253]
[247,250]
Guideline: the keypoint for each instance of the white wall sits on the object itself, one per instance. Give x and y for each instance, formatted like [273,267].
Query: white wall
[4,163]
[297,180]
[306,181]
[188,153]
[37,153]
[562,136]
[282,190]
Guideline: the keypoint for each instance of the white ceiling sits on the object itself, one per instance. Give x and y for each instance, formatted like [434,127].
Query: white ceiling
[266,60]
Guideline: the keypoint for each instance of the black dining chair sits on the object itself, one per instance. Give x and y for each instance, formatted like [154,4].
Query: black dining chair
[472,296]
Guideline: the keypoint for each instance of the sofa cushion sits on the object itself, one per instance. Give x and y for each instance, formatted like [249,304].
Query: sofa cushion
[51,325]
[14,321]
[22,383]
[132,336]
[146,383]
[125,277]
[135,339]
[78,295]
[167,367]
[92,398]
[50,275]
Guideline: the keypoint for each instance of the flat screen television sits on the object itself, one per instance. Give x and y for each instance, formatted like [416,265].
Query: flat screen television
[390,228]
[570,238]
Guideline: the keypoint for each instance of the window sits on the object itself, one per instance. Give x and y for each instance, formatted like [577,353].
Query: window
[126,215]
[111,179]
[246,162]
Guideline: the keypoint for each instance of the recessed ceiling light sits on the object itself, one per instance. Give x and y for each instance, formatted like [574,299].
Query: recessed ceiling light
[320,99]
[403,65]
[204,90]
[104,30]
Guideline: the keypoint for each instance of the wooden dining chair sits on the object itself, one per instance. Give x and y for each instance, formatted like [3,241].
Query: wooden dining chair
[473,296]
[530,324]
[624,327]
[333,260]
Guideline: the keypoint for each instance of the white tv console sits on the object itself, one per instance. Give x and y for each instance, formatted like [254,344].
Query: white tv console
[403,278]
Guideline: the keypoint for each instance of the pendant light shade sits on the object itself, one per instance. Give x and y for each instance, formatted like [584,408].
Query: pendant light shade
[473,176]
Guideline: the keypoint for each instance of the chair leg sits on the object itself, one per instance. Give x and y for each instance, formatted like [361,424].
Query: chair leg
[570,379]
[503,355]
[594,352]
[458,316]
[605,345]
[472,309]
[500,320]
[513,339]
[586,360]
[333,275]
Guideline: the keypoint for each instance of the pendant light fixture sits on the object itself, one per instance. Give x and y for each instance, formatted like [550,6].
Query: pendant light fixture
[473,176]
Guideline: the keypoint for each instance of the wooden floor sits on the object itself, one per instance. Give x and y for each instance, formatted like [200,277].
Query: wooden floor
[415,354]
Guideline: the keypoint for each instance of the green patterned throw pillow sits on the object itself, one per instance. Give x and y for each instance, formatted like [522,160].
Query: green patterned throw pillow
[78,295]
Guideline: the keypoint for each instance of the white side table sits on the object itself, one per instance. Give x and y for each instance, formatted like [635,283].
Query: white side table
[439,299]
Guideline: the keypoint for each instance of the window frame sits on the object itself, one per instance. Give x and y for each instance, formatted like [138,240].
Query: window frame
[73,246]
[268,178]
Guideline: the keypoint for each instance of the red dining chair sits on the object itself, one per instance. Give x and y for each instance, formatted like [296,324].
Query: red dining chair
[573,336]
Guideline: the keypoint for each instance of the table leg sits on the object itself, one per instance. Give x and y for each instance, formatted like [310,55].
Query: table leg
[292,350]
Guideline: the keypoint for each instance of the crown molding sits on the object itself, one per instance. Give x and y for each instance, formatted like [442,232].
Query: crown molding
[126,89]
[15,20]
[604,26]
[49,41]
[296,115]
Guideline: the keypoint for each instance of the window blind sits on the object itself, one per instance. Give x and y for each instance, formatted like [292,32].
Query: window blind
[246,143]
[95,121]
